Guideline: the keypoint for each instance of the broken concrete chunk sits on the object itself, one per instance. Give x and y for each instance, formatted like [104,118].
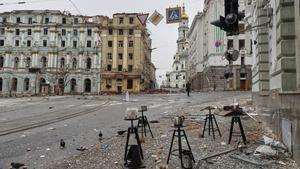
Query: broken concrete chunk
[265,150]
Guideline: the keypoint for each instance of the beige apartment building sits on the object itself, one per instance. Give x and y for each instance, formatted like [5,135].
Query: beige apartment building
[126,55]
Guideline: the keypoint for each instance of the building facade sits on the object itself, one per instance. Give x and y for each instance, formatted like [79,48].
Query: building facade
[177,77]
[276,69]
[195,53]
[53,52]
[208,67]
[48,52]
[126,62]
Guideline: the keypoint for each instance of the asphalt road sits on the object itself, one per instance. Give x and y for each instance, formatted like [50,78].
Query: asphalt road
[31,128]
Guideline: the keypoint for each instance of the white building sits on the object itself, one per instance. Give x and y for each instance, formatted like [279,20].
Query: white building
[177,77]
[48,51]
[195,63]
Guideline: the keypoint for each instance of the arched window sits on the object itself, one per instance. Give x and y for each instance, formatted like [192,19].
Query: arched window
[1,62]
[26,84]
[62,62]
[44,62]
[16,63]
[88,63]
[182,66]
[73,85]
[87,85]
[74,63]
[14,84]
[1,84]
[27,62]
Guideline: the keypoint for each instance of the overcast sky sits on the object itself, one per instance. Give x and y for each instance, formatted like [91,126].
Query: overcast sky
[164,36]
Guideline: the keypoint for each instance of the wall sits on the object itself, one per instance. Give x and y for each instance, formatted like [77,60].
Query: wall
[276,70]
[297,29]
[281,110]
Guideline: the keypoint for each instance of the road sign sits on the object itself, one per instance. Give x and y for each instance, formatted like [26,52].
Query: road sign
[173,15]
[155,18]
[143,18]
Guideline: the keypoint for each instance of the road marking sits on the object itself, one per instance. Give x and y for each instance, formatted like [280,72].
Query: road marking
[90,105]
[115,103]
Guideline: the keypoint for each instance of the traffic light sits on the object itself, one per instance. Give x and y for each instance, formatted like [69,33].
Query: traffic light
[231,16]
[221,23]
[230,23]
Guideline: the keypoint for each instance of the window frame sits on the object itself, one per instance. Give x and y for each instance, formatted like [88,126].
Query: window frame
[88,43]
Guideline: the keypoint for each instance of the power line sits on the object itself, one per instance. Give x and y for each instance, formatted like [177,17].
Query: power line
[74,5]
[24,2]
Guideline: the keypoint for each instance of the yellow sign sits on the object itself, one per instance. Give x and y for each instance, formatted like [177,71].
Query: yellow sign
[156,18]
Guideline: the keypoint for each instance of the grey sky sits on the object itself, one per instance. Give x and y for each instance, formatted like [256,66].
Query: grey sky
[164,36]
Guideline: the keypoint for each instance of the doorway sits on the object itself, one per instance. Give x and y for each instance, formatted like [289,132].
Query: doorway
[243,86]
[119,89]
[73,85]
[87,85]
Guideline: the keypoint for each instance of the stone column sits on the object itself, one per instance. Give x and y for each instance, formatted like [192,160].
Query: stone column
[137,49]
[6,60]
[125,52]
[22,61]
[80,61]
[50,60]
[261,68]
[104,49]
[115,51]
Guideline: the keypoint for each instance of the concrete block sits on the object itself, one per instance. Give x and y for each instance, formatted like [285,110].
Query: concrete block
[282,3]
[288,63]
[264,85]
[264,76]
[262,39]
[263,58]
[286,48]
[263,48]
[275,82]
[263,67]
[287,13]
[289,82]
[286,29]
[262,31]
[286,127]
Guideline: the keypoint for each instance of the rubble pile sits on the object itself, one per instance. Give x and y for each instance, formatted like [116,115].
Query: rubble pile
[259,152]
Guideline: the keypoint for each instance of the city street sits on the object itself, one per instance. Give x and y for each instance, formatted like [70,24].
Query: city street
[220,80]
[31,128]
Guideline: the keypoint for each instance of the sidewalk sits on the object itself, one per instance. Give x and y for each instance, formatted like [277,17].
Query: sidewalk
[156,150]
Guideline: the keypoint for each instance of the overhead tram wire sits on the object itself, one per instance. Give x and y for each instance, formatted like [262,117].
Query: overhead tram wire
[74,5]
[24,2]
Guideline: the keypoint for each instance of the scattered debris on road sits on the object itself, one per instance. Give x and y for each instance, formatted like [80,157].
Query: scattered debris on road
[81,148]
[62,144]
[15,165]
[121,132]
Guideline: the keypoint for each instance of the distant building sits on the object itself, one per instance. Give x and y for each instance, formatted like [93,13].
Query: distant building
[195,64]
[126,62]
[47,51]
[207,67]
[52,52]
[177,77]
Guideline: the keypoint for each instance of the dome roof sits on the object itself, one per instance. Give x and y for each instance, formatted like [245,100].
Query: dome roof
[183,14]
